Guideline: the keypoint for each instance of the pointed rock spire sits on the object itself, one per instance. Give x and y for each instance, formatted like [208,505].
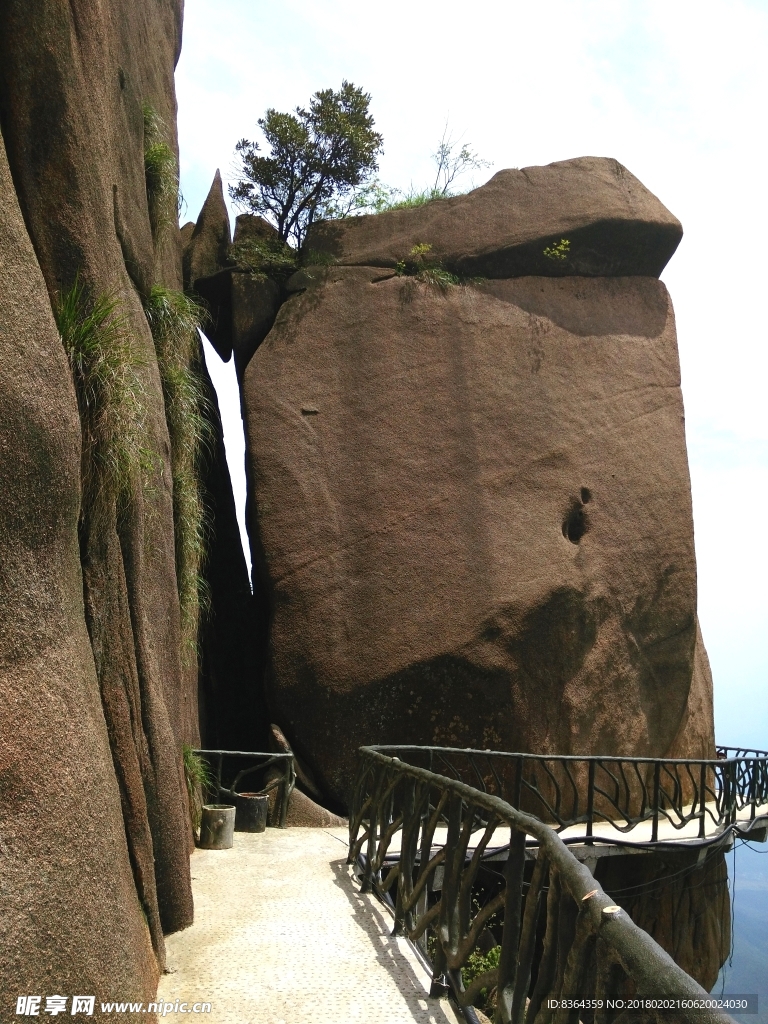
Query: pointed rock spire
[206,251]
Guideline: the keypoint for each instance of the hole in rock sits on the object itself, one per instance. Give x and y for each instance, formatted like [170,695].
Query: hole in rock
[586,495]
[575,524]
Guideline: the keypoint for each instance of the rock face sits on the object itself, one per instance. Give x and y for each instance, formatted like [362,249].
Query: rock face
[242,306]
[206,249]
[70,920]
[614,226]
[683,905]
[471,507]
[96,699]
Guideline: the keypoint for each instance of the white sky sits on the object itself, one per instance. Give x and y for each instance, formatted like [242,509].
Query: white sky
[674,89]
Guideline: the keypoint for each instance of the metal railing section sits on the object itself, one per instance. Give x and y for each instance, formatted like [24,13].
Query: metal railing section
[284,784]
[623,792]
[563,931]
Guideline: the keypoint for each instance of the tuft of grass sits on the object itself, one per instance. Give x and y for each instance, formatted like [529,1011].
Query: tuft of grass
[111,396]
[410,200]
[199,779]
[420,264]
[174,319]
[161,172]
[438,277]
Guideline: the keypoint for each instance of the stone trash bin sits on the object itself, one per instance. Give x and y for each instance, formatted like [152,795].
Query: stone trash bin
[251,812]
[217,827]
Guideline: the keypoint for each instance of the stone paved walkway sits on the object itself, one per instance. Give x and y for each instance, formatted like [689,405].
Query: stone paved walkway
[282,935]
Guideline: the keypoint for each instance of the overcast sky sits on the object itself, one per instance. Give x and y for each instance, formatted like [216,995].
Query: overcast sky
[675,90]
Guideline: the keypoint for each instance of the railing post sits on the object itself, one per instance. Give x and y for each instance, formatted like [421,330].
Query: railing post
[408,841]
[753,791]
[590,802]
[732,767]
[703,801]
[513,901]
[367,883]
[286,788]
[656,781]
[517,793]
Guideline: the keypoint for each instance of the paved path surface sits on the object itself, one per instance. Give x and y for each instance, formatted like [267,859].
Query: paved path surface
[282,935]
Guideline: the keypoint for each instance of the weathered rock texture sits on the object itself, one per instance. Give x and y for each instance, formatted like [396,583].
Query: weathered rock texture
[207,247]
[471,508]
[241,306]
[473,511]
[613,224]
[470,504]
[70,920]
[96,700]
[685,906]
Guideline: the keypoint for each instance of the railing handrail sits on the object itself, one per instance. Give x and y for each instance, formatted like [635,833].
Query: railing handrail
[570,790]
[247,753]
[653,970]
[755,755]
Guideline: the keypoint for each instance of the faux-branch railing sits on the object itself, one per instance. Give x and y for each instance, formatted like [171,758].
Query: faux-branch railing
[623,792]
[588,950]
[261,761]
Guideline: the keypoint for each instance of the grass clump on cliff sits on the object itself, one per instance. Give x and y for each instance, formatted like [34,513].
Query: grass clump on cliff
[174,320]
[161,172]
[199,779]
[423,266]
[111,396]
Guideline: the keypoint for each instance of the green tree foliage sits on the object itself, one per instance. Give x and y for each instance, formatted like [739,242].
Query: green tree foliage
[319,161]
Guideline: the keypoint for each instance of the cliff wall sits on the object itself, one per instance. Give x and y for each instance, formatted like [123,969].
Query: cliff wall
[99,688]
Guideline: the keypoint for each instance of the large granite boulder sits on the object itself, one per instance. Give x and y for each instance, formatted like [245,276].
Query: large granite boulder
[613,226]
[77,161]
[470,506]
[70,919]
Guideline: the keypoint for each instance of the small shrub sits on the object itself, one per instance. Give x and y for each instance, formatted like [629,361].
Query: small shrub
[269,257]
[478,963]
[558,251]
[199,779]
[161,172]
[111,397]
[174,320]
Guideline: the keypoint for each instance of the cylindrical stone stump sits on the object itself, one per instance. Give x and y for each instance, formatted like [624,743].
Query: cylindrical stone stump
[252,810]
[217,827]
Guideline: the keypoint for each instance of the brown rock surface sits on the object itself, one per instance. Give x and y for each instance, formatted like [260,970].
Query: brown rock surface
[472,512]
[206,251]
[685,906]
[248,226]
[76,155]
[303,812]
[614,225]
[70,920]
[241,306]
